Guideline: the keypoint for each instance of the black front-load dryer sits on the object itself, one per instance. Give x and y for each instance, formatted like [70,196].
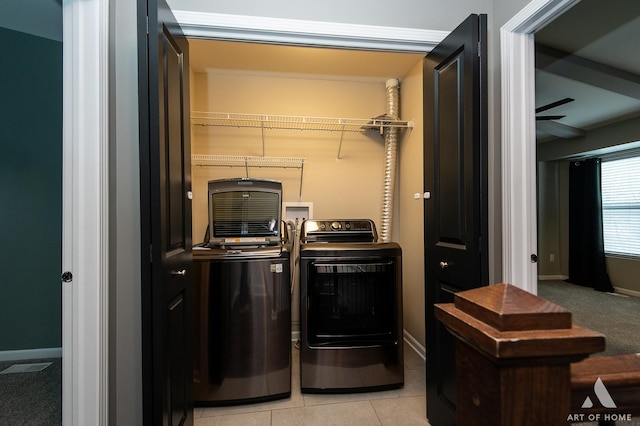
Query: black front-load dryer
[350,308]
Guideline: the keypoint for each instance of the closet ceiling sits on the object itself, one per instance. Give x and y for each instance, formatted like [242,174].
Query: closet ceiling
[209,55]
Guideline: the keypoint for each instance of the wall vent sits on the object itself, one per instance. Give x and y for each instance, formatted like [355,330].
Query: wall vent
[26,368]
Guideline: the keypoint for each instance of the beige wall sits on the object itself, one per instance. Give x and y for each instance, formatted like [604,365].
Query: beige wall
[409,230]
[549,214]
[349,187]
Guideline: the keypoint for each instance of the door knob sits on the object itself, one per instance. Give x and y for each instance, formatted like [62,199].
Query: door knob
[181,272]
[444,265]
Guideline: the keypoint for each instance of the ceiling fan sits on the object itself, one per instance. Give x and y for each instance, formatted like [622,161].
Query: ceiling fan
[548,125]
[550,106]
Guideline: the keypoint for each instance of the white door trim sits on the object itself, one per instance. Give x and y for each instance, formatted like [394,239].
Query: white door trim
[85,212]
[518,150]
[306,33]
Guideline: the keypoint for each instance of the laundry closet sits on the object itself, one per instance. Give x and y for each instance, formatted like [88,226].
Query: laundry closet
[330,153]
[342,172]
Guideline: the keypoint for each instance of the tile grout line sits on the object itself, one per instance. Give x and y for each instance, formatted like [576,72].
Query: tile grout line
[375,412]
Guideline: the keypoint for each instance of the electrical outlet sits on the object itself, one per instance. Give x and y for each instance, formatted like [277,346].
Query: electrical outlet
[552,258]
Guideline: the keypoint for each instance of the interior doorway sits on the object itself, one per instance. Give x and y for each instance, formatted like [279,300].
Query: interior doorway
[575,71]
[579,54]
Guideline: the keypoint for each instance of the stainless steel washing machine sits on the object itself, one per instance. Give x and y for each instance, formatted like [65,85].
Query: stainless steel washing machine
[350,308]
[242,321]
[242,325]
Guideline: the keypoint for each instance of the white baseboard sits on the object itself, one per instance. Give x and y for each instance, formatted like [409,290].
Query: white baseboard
[31,354]
[552,277]
[415,345]
[620,290]
[627,292]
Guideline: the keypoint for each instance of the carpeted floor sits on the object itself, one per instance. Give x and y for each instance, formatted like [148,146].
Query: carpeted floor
[33,399]
[614,315]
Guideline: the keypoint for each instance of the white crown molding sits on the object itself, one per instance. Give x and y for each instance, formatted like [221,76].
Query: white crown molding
[307,33]
[534,16]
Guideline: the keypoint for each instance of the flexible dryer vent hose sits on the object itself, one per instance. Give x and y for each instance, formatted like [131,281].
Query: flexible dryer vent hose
[390,159]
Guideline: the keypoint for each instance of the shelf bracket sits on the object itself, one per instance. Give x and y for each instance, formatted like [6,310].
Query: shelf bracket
[340,144]
[301,173]
[262,127]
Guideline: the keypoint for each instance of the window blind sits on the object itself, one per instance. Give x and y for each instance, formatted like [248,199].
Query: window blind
[621,206]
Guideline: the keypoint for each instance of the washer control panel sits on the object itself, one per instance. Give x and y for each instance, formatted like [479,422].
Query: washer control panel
[331,230]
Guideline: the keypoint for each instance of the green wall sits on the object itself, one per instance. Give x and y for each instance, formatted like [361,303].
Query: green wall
[30,192]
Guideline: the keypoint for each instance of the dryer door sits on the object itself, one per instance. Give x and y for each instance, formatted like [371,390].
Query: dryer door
[352,303]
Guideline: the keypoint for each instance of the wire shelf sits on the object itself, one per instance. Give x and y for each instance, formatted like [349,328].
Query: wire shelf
[247,161]
[287,122]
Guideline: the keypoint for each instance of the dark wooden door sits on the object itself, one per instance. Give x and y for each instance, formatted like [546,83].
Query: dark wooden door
[166,217]
[455,176]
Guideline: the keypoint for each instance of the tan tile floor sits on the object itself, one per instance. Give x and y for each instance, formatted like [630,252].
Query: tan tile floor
[405,406]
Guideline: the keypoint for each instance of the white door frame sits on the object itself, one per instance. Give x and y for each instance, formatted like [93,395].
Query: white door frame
[85,242]
[85,211]
[518,140]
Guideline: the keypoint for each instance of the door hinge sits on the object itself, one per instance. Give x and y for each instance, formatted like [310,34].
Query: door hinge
[151,253]
[147,25]
[479,47]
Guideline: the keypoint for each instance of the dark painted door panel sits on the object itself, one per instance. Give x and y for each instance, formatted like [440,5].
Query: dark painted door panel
[455,164]
[165,176]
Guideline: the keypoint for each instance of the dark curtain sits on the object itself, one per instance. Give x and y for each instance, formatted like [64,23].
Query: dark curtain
[586,241]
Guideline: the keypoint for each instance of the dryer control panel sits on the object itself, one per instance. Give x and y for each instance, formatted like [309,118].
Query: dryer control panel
[339,230]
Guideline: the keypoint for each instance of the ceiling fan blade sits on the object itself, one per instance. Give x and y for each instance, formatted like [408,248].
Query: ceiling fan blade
[550,117]
[554,104]
[559,130]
